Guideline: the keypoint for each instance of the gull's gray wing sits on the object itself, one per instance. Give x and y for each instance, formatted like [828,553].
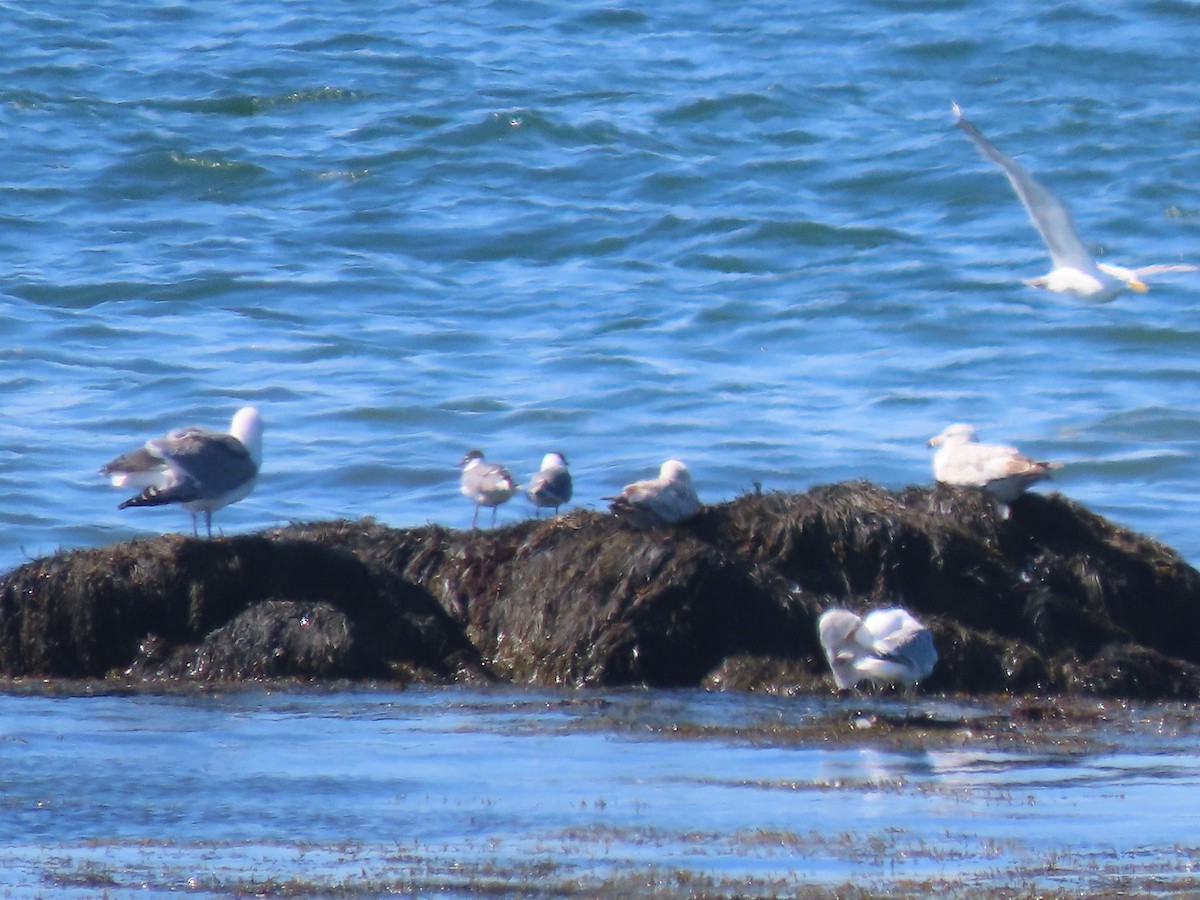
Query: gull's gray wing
[913,648]
[551,485]
[898,637]
[209,463]
[134,463]
[1046,212]
[1143,271]
[487,478]
[675,503]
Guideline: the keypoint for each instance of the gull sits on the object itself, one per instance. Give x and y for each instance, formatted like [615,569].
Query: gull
[551,486]
[1004,472]
[487,484]
[200,469]
[670,498]
[1075,271]
[888,646]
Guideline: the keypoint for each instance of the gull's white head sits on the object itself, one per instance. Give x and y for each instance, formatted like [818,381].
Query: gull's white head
[959,433]
[247,427]
[837,630]
[674,470]
[1131,278]
[836,627]
[554,460]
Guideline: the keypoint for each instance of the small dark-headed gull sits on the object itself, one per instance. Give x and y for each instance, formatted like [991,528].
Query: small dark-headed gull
[1075,271]
[1003,472]
[486,484]
[551,486]
[200,469]
[669,498]
[888,646]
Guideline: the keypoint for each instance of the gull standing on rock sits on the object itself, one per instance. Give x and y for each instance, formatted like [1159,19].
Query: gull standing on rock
[551,486]
[888,646]
[200,469]
[1075,271]
[670,498]
[1003,472]
[487,484]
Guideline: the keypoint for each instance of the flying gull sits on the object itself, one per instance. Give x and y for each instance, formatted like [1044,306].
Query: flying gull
[670,498]
[1075,271]
[888,646]
[551,486]
[486,484]
[1003,472]
[200,469]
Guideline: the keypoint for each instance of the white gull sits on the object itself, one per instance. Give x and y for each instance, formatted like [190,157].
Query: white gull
[888,646]
[551,486]
[1075,272]
[1004,472]
[487,484]
[670,498]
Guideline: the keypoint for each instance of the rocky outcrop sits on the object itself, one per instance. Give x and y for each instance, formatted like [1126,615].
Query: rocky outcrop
[1051,599]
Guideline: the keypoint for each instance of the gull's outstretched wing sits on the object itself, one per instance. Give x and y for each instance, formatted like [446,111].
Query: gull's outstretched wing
[551,487]
[1049,216]
[1143,271]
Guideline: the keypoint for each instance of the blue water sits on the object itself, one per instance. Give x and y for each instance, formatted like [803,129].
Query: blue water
[747,235]
[375,793]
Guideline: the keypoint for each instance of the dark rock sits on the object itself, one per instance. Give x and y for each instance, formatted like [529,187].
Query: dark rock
[584,600]
[275,639]
[92,612]
[1050,599]
[1130,670]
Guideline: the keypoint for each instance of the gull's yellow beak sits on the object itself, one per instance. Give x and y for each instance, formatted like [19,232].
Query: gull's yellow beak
[1136,284]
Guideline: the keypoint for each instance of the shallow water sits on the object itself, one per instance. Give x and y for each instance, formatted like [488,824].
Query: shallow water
[744,234]
[360,793]
[747,235]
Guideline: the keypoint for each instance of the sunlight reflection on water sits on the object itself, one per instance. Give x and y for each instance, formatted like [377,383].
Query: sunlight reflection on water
[447,789]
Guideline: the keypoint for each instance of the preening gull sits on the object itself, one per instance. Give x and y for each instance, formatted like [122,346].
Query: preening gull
[200,469]
[1003,472]
[551,486]
[487,484]
[669,498]
[1075,271]
[888,646]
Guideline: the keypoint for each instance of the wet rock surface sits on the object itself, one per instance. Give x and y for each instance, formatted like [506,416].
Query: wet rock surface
[1053,599]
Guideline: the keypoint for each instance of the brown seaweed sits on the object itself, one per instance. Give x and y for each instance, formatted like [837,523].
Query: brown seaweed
[1052,599]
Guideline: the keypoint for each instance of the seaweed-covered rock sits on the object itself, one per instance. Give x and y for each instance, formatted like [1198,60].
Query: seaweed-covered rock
[1052,598]
[88,613]
[1131,670]
[274,639]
